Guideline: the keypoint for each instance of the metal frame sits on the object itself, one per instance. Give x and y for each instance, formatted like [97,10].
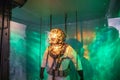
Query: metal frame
[5,12]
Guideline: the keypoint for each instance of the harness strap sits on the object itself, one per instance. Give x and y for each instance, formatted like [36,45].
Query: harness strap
[60,73]
[47,57]
[59,63]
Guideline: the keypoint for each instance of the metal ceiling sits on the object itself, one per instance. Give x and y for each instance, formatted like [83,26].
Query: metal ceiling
[87,9]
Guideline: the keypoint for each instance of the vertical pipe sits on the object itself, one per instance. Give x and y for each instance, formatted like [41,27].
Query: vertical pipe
[2,28]
[40,56]
[76,37]
[66,22]
[81,31]
[50,21]
[76,24]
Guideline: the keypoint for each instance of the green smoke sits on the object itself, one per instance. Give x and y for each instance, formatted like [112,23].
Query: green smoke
[104,50]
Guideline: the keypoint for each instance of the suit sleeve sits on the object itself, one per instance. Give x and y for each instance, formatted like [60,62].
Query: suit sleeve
[44,60]
[74,57]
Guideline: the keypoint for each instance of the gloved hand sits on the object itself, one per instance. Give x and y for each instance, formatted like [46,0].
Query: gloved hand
[42,73]
[80,72]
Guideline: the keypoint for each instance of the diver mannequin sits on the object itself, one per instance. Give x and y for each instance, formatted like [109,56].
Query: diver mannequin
[58,56]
